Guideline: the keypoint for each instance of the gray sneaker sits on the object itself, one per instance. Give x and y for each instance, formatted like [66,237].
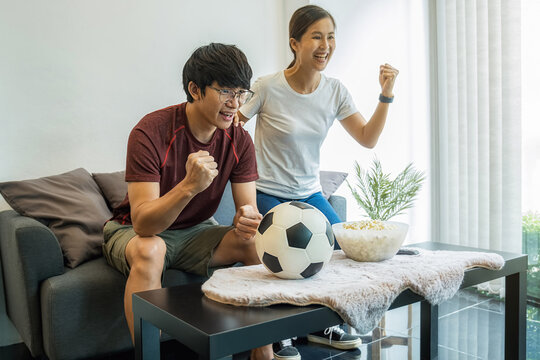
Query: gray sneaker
[335,337]
[284,350]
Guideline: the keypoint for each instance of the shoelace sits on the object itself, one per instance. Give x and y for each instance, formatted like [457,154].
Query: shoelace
[286,342]
[334,329]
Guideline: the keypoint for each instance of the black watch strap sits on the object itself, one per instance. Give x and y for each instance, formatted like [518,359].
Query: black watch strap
[386,100]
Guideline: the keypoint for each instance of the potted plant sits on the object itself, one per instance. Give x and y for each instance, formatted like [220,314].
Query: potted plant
[382,198]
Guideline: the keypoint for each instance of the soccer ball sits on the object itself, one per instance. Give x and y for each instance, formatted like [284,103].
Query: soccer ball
[294,240]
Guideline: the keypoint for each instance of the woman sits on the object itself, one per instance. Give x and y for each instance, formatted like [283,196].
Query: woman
[295,108]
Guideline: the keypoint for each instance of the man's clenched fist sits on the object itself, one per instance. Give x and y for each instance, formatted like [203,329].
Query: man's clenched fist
[246,221]
[201,169]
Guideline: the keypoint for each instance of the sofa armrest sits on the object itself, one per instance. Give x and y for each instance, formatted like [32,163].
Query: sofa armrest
[30,254]
[339,203]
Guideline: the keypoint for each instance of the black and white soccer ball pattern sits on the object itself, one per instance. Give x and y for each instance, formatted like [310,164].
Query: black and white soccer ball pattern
[294,240]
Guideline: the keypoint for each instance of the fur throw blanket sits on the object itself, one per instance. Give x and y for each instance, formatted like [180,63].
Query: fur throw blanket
[360,292]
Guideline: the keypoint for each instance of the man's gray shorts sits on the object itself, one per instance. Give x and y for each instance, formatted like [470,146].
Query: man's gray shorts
[188,249]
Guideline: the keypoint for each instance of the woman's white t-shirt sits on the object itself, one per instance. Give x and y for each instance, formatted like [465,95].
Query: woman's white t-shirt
[290,129]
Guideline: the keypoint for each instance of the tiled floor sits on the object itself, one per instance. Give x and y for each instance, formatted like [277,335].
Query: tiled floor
[471,326]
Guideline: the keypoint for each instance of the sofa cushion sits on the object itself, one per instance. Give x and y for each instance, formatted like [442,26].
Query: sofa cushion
[331,181]
[70,204]
[113,186]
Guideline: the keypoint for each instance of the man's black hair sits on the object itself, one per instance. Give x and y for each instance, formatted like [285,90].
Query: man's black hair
[225,64]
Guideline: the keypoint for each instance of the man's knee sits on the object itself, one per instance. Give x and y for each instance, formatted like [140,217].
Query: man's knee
[148,252]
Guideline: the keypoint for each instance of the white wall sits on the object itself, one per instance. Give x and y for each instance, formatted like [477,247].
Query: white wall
[370,33]
[76,76]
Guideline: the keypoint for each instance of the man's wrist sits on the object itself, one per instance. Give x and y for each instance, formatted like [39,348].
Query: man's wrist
[187,190]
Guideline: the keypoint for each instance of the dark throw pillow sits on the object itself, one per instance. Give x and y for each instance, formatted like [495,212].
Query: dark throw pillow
[113,186]
[70,204]
[330,181]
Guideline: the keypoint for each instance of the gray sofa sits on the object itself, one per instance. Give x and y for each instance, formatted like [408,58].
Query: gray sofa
[73,313]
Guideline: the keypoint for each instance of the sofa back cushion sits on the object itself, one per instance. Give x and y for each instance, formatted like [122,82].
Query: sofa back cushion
[113,186]
[331,181]
[114,189]
[70,204]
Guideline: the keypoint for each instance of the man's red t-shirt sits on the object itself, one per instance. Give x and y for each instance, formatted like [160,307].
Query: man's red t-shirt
[158,148]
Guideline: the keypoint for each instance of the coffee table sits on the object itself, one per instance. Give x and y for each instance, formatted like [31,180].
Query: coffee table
[215,330]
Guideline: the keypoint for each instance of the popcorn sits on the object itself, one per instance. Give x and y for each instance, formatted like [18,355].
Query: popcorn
[368,225]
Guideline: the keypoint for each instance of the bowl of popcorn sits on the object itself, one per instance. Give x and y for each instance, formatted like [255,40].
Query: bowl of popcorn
[381,196]
[370,240]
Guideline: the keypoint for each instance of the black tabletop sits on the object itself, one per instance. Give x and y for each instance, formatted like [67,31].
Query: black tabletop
[188,304]
[214,330]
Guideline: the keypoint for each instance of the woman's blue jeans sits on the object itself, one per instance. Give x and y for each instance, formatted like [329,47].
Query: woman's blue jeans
[265,202]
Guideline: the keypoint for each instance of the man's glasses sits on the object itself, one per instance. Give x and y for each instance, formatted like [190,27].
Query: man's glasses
[226,95]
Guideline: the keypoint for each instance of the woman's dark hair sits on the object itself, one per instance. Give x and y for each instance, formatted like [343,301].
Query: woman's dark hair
[303,18]
[225,64]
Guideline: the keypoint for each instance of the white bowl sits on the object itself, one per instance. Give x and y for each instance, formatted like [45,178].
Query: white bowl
[370,245]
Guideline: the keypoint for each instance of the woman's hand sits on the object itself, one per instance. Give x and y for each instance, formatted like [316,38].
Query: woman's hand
[387,77]
[237,121]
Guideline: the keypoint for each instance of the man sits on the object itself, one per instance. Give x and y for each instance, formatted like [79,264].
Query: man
[179,160]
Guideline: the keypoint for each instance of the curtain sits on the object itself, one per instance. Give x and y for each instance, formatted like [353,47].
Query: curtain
[476,123]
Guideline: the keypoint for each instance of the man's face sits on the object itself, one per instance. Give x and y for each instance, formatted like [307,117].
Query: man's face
[219,105]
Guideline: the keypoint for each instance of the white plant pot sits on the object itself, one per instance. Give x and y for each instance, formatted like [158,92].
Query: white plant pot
[370,245]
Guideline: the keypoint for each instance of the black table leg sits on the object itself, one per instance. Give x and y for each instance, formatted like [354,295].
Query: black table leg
[515,317]
[146,340]
[429,330]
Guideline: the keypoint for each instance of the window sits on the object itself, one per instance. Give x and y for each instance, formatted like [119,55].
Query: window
[531,144]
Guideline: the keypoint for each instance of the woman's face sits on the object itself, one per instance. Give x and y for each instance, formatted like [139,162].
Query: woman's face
[316,45]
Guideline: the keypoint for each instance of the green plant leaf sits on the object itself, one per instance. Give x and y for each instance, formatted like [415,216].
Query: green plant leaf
[381,197]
